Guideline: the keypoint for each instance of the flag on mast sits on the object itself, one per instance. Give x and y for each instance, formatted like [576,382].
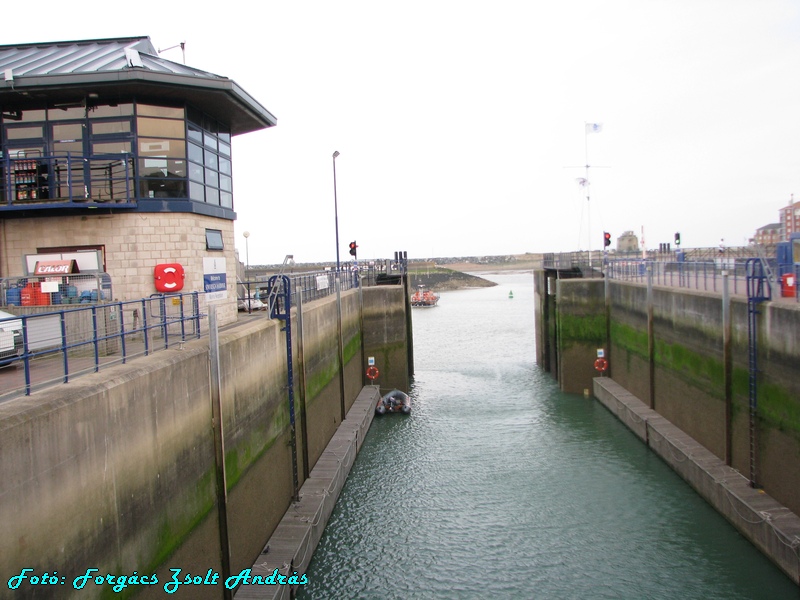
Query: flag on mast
[594,127]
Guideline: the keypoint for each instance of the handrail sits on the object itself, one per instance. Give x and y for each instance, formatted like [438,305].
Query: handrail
[90,337]
[318,284]
[703,276]
[30,182]
[87,338]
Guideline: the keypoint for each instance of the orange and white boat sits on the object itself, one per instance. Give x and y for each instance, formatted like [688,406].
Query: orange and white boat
[424,297]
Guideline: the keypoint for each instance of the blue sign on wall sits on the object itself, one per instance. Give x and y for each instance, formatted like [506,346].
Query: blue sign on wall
[215,280]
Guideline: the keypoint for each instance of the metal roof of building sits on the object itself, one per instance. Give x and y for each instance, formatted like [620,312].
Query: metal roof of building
[66,70]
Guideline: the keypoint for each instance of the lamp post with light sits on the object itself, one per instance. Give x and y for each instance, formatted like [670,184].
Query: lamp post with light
[246,235]
[249,300]
[340,344]
[336,209]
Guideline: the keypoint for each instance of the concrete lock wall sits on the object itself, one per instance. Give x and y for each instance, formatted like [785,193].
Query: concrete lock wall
[116,470]
[544,284]
[386,336]
[667,348]
[580,330]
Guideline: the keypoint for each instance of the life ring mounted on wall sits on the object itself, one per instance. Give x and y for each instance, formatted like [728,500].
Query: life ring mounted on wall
[372,373]
[601,364]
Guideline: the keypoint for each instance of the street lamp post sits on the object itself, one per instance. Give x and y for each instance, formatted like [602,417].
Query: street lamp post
[246,235]
[336,209]
[249,300]
[337,280]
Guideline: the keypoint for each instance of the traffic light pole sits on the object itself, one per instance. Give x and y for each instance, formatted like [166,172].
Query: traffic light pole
[354,254]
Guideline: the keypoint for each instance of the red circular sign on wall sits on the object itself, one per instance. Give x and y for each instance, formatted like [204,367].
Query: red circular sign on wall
[169,277]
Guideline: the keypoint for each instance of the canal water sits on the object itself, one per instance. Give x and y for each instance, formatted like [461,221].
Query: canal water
[500,486]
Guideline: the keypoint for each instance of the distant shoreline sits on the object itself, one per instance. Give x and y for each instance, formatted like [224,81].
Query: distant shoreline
[468,267]
[464,275]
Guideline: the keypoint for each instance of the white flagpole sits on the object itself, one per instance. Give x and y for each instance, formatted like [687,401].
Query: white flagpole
[588,204]
[588,192]
[587,128]
[584,181]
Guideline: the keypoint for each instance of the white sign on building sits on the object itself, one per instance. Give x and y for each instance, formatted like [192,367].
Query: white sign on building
[215,279]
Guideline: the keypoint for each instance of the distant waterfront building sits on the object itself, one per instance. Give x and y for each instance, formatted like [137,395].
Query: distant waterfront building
[790,220]
[628,242]
[769,234]
[105,147]
[780,232]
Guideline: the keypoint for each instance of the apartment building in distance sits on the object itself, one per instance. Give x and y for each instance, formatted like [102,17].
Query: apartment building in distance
[789,223]
[790,220]
[769,234]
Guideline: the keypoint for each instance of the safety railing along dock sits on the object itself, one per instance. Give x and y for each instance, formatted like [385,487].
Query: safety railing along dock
[56,343]
[59,345]
[704,275]
[707,276]
[313,285]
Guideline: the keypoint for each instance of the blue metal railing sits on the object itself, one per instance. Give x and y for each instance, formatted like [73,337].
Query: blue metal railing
[704,275]
[88,338]
[57,346]
[319,284]
[34,181]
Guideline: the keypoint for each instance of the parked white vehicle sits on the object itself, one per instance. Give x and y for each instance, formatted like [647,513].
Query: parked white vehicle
[255,304]
[11,347]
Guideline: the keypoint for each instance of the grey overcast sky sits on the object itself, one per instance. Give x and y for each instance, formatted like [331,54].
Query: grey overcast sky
[458,121]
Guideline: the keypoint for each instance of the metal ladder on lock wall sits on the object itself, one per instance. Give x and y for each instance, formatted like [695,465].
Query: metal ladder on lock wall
[280,307]
[758,290]
[770,274]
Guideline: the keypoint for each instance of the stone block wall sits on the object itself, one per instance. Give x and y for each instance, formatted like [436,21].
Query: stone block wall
[131,249]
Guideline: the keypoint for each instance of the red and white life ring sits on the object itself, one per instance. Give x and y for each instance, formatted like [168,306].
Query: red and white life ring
[372,373]
[601,364]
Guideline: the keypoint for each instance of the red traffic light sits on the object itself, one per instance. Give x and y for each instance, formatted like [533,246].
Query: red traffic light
[353,247]
[606,238]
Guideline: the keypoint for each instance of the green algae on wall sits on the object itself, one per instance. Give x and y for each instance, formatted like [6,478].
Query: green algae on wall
[351,348]
[171,533]
[699,370]
[257,442]
[581,329]
[633,340]
[318,380]
[384,356]
[778,408]
[702,371]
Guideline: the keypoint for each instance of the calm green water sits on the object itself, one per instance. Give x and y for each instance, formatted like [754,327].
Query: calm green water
[500,486]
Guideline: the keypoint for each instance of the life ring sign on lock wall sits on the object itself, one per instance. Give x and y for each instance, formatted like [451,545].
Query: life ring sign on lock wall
[601,364]
[169,277]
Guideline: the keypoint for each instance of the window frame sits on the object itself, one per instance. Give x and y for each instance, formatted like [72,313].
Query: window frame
[211,240]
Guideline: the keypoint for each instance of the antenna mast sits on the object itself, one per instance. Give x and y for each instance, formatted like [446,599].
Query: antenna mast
[182,46]
[588,205]
[584,181]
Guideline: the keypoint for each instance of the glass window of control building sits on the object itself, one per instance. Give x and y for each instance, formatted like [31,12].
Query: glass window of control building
[179,152]
[209,150]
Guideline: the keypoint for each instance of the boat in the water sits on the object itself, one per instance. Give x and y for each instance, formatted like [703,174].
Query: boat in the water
[424,297]
[393,402]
